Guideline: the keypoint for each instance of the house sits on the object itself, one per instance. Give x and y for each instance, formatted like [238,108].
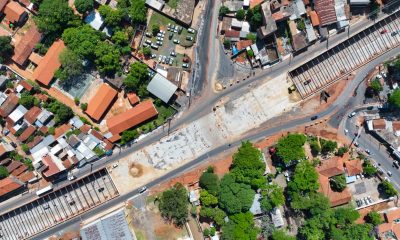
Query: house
[25,46]
[236,24]
[310,32]
[299,39]
[390,229]
[342,10]
[29,131]
[162,88]
[10,185]
[43,118]
[53,166]
[269,24]
[299,9]
[9,105]
[17,114]
[154,4]
[44,72]
[32,114]
[26,85]
[141,113]
[353,167]
[133,98]
[243,44]
[232,35]
[5,148]
[328,169]
[379,124]
[226,24]
[277,218]
[314,18]
[233,5]
[99,104]
[326,11]
[15,13]
[3,3]
[359,2]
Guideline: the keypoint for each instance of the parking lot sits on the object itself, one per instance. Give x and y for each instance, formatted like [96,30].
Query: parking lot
[365,192]
[58,206]
[332,65]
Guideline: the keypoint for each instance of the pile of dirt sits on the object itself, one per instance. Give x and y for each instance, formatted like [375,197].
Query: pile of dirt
[135,170]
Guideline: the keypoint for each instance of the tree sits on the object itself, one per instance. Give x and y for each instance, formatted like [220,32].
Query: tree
[345,215]
[76,101]
[376,86]
[281,235]
[387,188]
[254,17]
[111,16]
[27,100]
[107,58]
[138,11]
[146,51]
[327,146]
[341,151]
[62,113]
[374,218]
[120,38]
[252,37]
[227,43]
[250,53]
[155,29]
[174,205]
[240,14]
[71,65]
[272,196]
[315,147]
[206,232]
[84,6]
[52,130]
[129,135]
[301,25]
[368,169]
[394,98]
[234,197]
[290,148]
[338,183]
[214,214]
[3,172]
[240,226]
[6,49]
[267,226]
[25,148]
[138,76]
[223,11]
[210,182]
[84,106]
[208,199]
[248,167]
[54,16]
[82,40]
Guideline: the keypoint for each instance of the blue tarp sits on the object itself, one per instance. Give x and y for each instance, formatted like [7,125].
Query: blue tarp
[234,50]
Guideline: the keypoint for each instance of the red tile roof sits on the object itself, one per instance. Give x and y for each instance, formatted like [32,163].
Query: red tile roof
[396,125]
[21,169]
[314,18]
[26,176]
[25,46]
[232,34]
[9,105]
[134,116]
[114,138]
[96,134]
[109,145]
[52,168]
[331,167]
[354,167]
[27,133]
[243,44]
[392,215]
[13,165]
[326,11]
[42,97]
[59,131]
[9,184]
[26,85]
[379,124]
[2,150]
[133,98]
[44,72]
[85,128]
[13,11]
[2,4]
[44,129]
[32,114]
[35,141]
[26,3]
[98,105]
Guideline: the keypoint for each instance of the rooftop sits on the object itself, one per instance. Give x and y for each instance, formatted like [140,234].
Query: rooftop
[268,21]
[132,117]
[98,105]
[14,11]
[326,11]
[25,46]
[44,72]
[9,184]
[314,18]
[133,98]
[9,105]
[160,87]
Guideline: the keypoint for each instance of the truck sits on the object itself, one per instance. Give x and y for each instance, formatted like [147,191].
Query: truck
[44,190]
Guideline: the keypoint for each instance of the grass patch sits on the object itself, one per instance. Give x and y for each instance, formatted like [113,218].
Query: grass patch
[173,3]
[139,235]
[164,112]
[161,20]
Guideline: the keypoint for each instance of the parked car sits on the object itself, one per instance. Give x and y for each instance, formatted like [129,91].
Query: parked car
[384,31]
[352,114]
[147,41]
[115,165]
[394,33]
[191,30]
[153,55]
[171,61]
[307,82]
[142,189]
[159,58]
[185,65]
[314,118]
[356,144]
[149,34]
[159,43]
[389,173]
[189,38]
[154,46]
[71,177]
[162,32]
[173,53]
[159,38]
[368,151]
[177,41]
[171,35]
[395,164]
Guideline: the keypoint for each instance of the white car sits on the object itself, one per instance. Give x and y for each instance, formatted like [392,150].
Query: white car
[356,144]
[368,151]
[346,131]
[71,177]
[142,189]
[159,38]
[389,173]
[185,65]
[191,30]
[115,165]
[352,114]
[176,41]
[378,76]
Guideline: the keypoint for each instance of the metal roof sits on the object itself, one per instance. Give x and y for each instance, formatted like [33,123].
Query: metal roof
[160,87]
[18,113]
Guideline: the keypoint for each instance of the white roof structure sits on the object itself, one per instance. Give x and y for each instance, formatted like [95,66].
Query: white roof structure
[236,23]
[277,219]
[18,113]
[43,117]
[246,3]
[95,20]
[245,26]
[85,151]
[160,87]
[19,88]
[340,10]
[359,2]
[76,122]
[255,208]
[112,226]
[3,98]
[155,4]
[311,36]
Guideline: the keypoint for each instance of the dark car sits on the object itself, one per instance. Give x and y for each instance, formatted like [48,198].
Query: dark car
[370,107]
[314,118]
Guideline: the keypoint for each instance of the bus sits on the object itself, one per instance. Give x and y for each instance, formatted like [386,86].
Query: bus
[44,190]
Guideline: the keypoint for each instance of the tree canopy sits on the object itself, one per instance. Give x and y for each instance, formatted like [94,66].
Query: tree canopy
[394,98]
[6,49]
[235,197]
[240,14]
[374,218]
[272,196]
[281,235]
[207,199]
[112,17]
[387,188]
[83,6]
[71,65]
[137,76]
[368,169]
[210,182]
[223,10]
[240,226]
[129,135]
[83,40]
[215,214]
[338,183]
[174,204]
[248,167]
[54,16]
[327,146]
[62,113]
[305,179]
[3,172]
[290,148]
[27,100]
[376,86]
[135,9]
[107,58]
[254,17]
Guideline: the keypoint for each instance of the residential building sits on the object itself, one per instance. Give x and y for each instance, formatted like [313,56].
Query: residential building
[9,105]
[269,24]
[15,13]
[99,104]
[141,113]
[44,72]
[26,44]
[9,186]
[326,11]
[390,229]
[133,98]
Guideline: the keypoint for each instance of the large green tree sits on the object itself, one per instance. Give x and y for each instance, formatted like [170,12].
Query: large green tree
[305,179]
[281,235]
[112,17]
[83,40]
[374,218]
[27,100]
[272,196]
[394,98]
[6,49]
[84,6]
[248,167]
[3,172]
[327,146]
[137,76]
[235,197]
[71,65]
[240,226]
[174,204]
[387,188]
[54,16]
[208,199]
[368,169]
[138,11]
[210,182]
[107,58]
[338,183]
[214,214]
[290,148]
